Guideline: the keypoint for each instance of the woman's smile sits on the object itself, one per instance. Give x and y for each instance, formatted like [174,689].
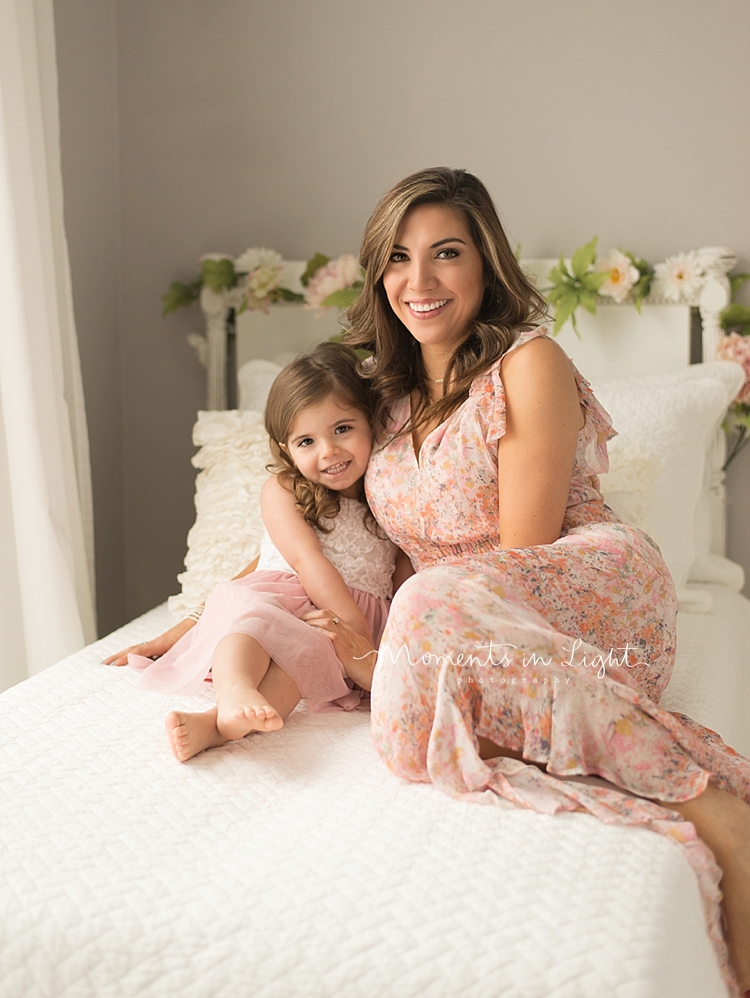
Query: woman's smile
[434,280]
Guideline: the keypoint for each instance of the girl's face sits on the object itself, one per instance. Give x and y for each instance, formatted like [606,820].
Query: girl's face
[434,279]
[330,443]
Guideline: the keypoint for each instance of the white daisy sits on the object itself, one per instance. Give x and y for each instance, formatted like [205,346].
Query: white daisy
[679,278]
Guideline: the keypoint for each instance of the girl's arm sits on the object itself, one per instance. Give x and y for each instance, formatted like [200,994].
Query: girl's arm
[298,544]
[246,571]
[535,455]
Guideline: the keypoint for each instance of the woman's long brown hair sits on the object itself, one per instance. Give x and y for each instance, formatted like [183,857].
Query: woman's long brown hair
[510,304]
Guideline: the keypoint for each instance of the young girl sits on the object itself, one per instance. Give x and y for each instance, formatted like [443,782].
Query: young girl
[322,548]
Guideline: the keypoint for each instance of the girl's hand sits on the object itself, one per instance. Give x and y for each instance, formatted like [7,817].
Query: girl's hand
[154,648]
[354,651]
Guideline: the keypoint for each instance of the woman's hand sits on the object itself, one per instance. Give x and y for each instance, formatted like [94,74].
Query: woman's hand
[154,648]
[354,651]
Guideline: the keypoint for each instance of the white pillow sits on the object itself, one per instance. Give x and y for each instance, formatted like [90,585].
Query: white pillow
[228,528]
[672,419]
[709,567]
[254,380]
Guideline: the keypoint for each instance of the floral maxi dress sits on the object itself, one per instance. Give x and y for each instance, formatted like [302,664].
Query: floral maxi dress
[559,651]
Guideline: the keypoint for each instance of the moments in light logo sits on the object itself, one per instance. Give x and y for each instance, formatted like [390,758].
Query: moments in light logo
[504,655]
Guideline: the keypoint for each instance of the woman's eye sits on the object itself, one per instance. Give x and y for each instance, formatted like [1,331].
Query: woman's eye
[448,254]
[397,257]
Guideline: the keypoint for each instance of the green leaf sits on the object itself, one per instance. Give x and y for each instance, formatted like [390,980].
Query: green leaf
[284,294]
[565,309]
[313,265]
[588,301]
[583,258]
[736,316]
[218,275]
[342,298]
[736,281]
[642,287]
[180,295]
[554,276]
[594,280]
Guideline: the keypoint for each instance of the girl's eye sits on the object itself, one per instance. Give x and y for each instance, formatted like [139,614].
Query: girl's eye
[343,428]
[305,442]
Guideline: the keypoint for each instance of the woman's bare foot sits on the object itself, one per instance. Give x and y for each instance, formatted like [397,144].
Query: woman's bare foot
[723,822]
[243,709]
[190,734]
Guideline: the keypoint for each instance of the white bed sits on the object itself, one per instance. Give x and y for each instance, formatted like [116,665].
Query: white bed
[293,864]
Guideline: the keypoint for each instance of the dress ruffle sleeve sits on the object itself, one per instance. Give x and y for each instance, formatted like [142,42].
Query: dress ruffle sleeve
[597,429]
[488,398]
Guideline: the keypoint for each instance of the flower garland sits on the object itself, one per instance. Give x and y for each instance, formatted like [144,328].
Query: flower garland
[259,276]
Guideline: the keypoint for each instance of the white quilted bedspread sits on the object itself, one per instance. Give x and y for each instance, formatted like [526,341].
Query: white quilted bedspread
[293,865]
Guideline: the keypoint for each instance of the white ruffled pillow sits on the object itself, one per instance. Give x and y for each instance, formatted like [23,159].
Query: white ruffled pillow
[228,528]
[666,421]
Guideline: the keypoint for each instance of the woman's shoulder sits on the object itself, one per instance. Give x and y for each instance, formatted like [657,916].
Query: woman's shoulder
[488,383]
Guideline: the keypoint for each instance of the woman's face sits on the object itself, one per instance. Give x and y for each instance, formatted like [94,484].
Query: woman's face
[434,279]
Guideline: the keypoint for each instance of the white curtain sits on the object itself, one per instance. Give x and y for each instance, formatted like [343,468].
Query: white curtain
[46,531]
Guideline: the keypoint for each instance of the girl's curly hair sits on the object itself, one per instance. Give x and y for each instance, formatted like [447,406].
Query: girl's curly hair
[330,369]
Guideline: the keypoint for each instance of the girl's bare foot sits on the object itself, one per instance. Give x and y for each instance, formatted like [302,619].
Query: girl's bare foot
[242,710]
[190,734]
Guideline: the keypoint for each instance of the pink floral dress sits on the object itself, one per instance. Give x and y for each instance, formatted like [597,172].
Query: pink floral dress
[559,651]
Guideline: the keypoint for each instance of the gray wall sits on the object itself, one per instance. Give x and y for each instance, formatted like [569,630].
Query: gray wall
[255,123]
[86,56]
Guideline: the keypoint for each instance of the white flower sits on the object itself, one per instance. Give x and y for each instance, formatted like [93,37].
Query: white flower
[260,283]
[622,277]
[679,278]
[339,273]
[256,257]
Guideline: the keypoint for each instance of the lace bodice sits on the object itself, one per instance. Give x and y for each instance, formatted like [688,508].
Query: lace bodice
[364,561]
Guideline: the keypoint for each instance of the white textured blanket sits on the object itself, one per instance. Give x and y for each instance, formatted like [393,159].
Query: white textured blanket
[293,865]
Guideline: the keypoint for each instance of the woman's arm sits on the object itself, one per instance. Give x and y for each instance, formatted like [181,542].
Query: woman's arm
[535,456]
[402,570]
[298,544]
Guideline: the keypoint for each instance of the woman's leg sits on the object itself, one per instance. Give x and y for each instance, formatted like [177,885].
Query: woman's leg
[723,823]
[252,694]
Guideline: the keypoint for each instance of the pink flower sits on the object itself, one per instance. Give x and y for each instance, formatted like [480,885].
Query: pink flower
[338,274]
[737,348]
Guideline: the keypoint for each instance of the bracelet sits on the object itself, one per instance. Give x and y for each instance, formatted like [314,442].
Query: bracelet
[195,613]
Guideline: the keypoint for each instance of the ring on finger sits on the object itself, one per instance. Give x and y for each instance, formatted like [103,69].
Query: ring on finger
[335,620]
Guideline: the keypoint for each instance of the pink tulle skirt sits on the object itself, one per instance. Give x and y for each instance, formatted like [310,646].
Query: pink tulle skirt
[268,606]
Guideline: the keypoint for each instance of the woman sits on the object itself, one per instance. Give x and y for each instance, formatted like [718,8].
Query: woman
[538,634]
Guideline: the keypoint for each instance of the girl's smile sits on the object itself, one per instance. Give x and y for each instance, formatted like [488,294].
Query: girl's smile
[330,443]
